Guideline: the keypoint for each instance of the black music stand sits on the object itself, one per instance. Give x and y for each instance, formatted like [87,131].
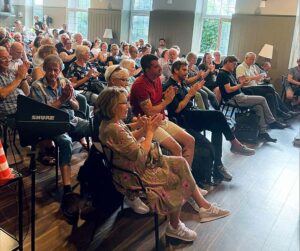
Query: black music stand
[36,121]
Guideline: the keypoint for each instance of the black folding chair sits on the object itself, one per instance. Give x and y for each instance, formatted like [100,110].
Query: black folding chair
[108,159]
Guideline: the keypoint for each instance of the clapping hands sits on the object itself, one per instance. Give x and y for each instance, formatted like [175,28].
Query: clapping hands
[196,87]
[152,122]
[22,70]
[67,93]
[169,94]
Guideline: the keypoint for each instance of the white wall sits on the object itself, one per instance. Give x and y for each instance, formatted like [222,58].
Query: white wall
[273,7]
[295,51]
[55,3]
[182,5]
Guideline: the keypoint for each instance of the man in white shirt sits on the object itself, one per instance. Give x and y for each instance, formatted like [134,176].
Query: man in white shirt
[254,85]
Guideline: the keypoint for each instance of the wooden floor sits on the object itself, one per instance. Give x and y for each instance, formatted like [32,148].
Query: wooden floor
[263,198]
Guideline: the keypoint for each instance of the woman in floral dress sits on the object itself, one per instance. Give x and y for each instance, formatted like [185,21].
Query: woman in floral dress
[169,182]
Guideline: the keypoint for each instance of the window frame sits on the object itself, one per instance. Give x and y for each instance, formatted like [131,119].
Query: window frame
[37,6]
[76,10]
[134,13]
[221,19]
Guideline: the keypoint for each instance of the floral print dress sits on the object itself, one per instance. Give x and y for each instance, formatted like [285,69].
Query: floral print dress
[167,186]
[80,72]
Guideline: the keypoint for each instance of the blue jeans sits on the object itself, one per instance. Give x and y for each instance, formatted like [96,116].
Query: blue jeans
[64,141]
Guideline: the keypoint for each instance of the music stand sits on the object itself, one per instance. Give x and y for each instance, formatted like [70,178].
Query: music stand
[36,121]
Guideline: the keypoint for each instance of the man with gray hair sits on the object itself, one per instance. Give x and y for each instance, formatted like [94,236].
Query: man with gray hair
[166,68]
[11,84]
[63,40]
[231,92]
[59,93]
[17,53]
[294,84]
[3,32]
[254,85]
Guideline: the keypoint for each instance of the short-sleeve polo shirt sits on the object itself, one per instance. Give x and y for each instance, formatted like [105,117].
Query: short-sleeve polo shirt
[142,89]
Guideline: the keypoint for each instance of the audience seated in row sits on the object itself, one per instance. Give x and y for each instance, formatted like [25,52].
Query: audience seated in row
[184,84]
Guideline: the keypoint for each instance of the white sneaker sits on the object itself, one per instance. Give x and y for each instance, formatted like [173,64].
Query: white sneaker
[212,213]
[193,204]
[137,205]
[181,232]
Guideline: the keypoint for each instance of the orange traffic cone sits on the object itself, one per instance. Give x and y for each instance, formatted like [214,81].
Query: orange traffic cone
[5,172]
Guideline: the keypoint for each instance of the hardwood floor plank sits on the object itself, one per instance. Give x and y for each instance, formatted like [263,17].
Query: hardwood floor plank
[263,198]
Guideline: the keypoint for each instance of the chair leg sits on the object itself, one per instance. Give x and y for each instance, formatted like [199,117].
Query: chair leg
[232,111]
[14,142]
[156,231]
[56,166]
[88,143]
[95,228]
[5,145]
[227,109]
[122,205]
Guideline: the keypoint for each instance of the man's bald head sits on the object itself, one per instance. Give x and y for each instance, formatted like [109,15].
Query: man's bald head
[16,50]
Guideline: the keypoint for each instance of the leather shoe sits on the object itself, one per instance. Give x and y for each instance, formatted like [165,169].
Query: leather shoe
[224,173]
[266,137]
[242,149]
[278,125]
[293,114]
[70,207]
[212,182]
[284,115]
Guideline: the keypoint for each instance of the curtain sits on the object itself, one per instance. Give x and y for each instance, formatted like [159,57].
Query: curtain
[295,51]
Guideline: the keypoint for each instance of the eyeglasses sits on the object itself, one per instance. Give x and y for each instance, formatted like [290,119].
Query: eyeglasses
[118,68]
[3,59]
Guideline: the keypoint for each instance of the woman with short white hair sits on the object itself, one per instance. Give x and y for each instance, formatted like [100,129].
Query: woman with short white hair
[82,74]
[129,64]
[115,75]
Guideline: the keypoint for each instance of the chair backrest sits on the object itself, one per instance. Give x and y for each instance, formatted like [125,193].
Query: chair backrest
[108,152]
[96,181]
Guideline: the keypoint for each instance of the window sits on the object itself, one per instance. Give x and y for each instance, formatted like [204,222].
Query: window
[142,5]
[140,13]
[216,25]
[78,16]
[38,9]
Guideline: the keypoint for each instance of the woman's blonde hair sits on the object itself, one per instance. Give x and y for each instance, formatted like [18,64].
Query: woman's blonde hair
[190,55]
[107,101]
[126,62]
[46,50]
[80,50]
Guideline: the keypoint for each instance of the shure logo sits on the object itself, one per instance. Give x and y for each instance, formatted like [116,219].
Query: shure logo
[42,117]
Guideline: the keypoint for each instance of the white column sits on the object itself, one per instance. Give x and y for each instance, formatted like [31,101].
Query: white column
[295,51]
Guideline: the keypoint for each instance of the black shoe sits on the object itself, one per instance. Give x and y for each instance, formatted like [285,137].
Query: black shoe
[284,115]
[293,114]
[213,182]
[278,125]
[217,180]
[70,207]
[266,137]
[226,176]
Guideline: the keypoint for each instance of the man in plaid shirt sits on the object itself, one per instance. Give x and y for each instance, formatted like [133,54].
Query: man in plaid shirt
[11,85]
